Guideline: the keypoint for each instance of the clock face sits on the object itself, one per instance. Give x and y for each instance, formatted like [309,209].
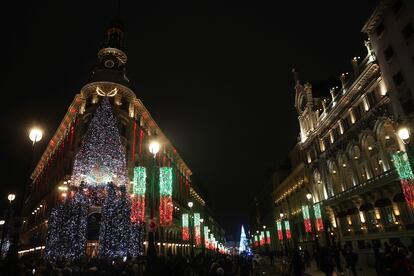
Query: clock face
[109,63]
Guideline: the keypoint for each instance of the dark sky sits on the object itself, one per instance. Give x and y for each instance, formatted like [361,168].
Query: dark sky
[215,75]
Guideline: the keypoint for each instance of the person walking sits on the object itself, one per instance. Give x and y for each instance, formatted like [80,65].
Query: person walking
[351,259]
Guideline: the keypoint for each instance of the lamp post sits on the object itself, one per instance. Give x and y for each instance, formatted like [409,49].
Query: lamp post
[404,134]
[203,242]
[35,135]
[7,224]
[154,148]
[190,205]
[309,197]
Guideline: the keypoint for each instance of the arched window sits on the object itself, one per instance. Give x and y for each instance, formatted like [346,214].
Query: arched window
[360,166]
[372,152]
[320,188]
[345,171]
[337,186]
[388,142]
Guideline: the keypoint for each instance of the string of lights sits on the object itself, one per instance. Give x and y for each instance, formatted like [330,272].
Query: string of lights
[166,204]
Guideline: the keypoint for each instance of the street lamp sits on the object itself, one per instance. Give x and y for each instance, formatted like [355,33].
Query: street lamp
[281,215]
[154,148]
[309,197]
[35,134]
[9,219]
[404,134]
[11,197]
[190,205]
[202,236]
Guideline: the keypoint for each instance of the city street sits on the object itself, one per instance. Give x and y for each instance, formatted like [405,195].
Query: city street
[207,138]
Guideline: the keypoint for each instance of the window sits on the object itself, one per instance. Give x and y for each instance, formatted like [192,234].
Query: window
[396,7]
[389,53]
[380,29]
[322,145]
[398,79]
[365,103]
[408,31]
[352,116]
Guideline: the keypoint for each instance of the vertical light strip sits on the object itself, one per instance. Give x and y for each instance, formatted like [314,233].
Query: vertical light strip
[318,217]
[403,166]
[306,219]
[166,204]
[139,186]
[186,232]
[268,239]
[279,230]
[197,229]
[287,230]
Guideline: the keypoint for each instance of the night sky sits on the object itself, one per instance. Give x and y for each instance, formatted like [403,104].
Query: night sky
[215,75]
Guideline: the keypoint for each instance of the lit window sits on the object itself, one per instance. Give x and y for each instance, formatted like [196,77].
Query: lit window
[362,217]
[352,116]
[366,103]
[322,145]
[341,128]
[382,88]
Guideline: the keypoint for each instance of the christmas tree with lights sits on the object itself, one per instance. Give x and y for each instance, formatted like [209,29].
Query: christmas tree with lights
[244,243]
[99,179]
[101,157]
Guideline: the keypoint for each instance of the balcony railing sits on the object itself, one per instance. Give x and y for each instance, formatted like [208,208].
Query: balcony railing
[379,180]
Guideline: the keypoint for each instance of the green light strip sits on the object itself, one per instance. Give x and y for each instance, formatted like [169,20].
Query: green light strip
[165,181]
[402,164]
[140,181]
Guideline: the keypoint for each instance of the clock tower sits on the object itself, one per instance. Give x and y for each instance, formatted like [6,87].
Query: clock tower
[111,62]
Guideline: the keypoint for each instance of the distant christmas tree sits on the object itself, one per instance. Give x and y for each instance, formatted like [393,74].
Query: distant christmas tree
[101,157]
[244,243]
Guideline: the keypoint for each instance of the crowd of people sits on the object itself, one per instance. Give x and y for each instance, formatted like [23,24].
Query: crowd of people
[390,259]
[217,264]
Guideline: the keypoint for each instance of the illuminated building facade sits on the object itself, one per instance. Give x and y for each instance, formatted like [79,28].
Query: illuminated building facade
[346,188]
[53,173]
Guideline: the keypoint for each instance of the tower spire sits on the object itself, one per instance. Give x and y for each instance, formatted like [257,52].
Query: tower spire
[111,65]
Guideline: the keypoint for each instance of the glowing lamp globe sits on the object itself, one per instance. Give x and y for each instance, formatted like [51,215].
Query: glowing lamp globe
[2,222]
[154,147]
[11,197]
[190,204]
[309,196]
[35,134]
[404,134]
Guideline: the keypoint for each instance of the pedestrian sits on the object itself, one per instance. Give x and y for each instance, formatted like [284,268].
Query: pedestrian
[326,262]
[351,259]
[298,266]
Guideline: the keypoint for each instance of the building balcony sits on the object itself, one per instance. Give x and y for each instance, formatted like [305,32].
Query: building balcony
[375,182]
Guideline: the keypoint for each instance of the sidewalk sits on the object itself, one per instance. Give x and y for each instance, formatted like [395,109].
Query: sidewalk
[314,271]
